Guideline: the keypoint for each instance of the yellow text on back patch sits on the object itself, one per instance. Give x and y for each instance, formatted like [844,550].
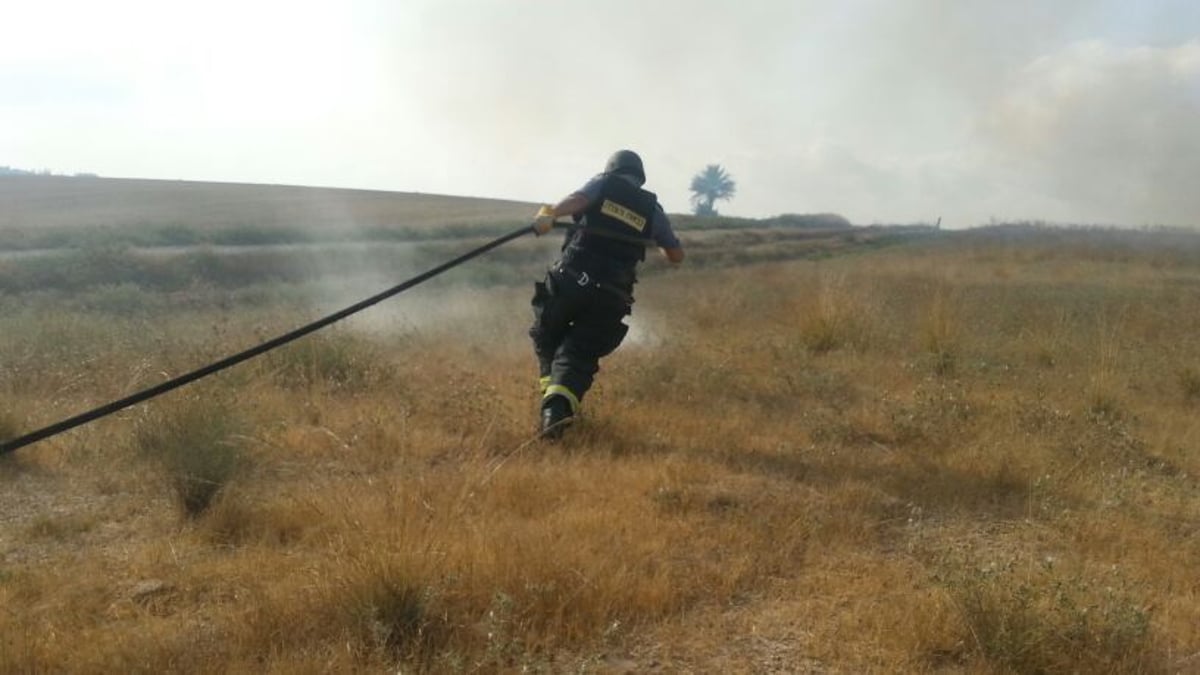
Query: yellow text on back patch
[615,210]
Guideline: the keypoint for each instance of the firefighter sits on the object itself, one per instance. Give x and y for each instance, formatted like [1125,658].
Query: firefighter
[580,306]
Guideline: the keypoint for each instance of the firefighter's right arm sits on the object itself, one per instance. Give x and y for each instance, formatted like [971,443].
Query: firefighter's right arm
[570,205]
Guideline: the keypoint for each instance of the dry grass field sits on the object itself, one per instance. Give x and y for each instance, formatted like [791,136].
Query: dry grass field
[47,212]
[970,453]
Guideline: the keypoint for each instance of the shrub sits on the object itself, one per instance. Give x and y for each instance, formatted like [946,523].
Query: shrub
[390,613]
[939,414]
[10,427]
[59,527]
[1189,383]
[123,299]
[835,320]
[939,333]
[196,441]
[1038,619]
[339,359]
[237,520]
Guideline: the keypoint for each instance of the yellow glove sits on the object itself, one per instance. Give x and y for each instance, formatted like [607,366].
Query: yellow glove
[544,220]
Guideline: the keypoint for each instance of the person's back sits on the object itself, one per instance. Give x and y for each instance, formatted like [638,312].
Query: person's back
[612,234]
[580,306]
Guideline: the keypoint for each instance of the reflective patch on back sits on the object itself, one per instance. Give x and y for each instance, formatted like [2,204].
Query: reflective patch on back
[623,214]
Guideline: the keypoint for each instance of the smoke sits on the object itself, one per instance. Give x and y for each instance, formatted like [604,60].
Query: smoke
[883,111]
[1104,133]
[647,330]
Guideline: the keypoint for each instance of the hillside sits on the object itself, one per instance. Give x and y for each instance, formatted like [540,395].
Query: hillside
[84,236]
[33,207]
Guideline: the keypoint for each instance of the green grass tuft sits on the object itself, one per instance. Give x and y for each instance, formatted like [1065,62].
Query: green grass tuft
[197,443]
[1189,383]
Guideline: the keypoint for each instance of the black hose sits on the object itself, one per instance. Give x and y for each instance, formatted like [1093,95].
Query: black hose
[175,383]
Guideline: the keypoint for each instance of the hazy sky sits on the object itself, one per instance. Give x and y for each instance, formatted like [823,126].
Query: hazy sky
[881,110]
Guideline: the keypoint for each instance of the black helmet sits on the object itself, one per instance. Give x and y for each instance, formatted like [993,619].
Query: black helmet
[626,162]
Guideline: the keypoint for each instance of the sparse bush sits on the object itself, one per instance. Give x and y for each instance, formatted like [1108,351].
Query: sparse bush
[939,332]
[238,270]
[939,412]
[1108,438]
[835,320]
[10,427]
[1189,382]
[124,299]
[197,444]
[59,527]
[339,359]
[1102,404]
[822,333]
[1036,618]
[234,521]
[390,613]
[255,235]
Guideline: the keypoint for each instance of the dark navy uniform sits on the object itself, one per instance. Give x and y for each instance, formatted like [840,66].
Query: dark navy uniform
[579,308]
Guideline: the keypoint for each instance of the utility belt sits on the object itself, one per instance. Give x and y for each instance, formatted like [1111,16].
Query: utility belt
[580,278]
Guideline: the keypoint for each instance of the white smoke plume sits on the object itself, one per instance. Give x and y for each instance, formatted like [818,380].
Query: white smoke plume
[1103,133]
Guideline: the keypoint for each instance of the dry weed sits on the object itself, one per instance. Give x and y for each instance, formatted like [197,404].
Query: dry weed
[197,440]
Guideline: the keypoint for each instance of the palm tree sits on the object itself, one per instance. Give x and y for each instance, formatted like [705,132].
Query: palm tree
[710,185]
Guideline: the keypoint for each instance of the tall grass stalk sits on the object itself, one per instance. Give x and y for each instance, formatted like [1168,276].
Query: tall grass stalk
[940,329]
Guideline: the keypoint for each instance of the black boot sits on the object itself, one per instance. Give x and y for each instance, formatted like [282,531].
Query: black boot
[556,415]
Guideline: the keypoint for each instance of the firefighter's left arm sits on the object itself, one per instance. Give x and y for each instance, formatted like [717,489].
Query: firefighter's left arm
[673,255]
[664,236]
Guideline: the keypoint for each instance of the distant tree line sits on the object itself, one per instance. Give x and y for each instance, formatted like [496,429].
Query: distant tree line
[10,171]
[808,221]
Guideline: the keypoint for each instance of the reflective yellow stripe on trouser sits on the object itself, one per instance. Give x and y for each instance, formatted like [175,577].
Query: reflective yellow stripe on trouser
[543,383]
[559,390]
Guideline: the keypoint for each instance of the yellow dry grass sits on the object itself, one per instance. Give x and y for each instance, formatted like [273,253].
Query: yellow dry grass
[976,457]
